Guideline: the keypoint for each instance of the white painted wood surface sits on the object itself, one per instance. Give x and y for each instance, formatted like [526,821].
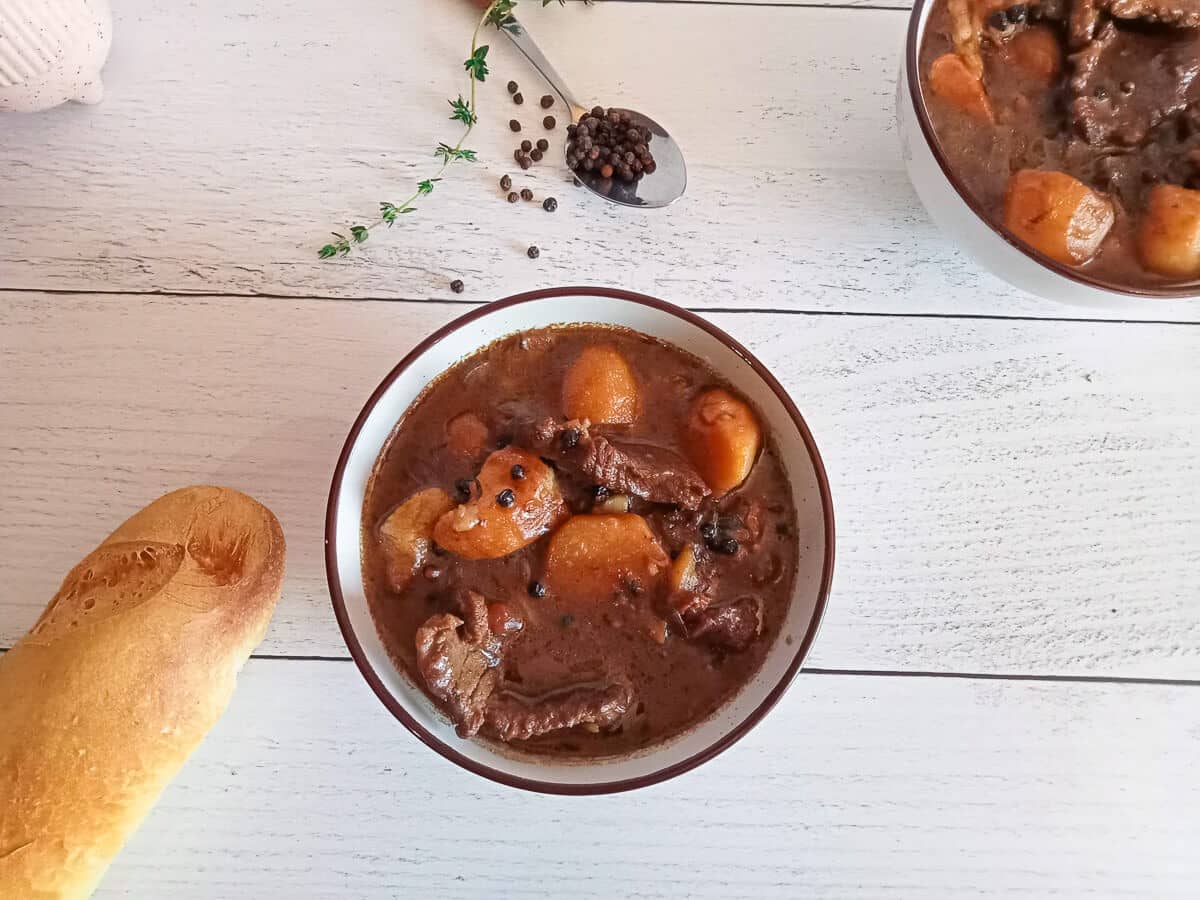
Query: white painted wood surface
[1015,498]
[235,135]
[1011,496]
[854,787]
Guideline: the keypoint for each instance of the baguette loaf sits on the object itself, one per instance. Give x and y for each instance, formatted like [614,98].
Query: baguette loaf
[120,679]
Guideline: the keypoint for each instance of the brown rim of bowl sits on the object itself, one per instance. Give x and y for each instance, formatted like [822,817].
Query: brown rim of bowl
[912,52]
[605,787]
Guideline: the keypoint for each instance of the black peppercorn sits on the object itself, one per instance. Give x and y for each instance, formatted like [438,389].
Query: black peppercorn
[543,144]
[526,194]
[1018,14]
[537,589]
[547,101]
[518,99]
[513,197]
[570,436]
[708,531]
[998,20]
[505,183]
[729,546]
[517,472]
[456,285]
[506,497]
[533,252]
[463,488]
[513,87]
[526,146]
[524,162]
[514,124]
[549,204]
[549,122]
[599,491]
[536,155]
[568,620]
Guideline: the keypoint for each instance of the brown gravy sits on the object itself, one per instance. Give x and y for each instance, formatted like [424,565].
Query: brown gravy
[571,646]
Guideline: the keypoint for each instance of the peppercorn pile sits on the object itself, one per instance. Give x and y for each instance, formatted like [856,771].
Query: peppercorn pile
[610,143]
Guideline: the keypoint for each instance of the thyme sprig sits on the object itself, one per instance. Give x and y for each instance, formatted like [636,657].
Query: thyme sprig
[464,110]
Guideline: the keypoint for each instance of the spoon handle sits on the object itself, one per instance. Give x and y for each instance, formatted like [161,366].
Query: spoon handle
[520,37]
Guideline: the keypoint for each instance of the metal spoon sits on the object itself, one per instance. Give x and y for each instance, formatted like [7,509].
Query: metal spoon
[669,179]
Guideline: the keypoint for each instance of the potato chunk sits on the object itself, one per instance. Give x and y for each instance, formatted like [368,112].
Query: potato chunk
[407,532]
[1057,215]
[1169,236]
[1036,52]
[602,388]
[594,556]
[950,79]
[509,512]
[467,435]
[722,439]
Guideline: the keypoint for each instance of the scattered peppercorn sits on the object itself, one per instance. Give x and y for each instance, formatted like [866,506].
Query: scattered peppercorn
[568,620]
[547,101]
[1018,14]
[543,144]
[570,437]
[537,589]
[505,183]
[708,531]
[526,194]
[599,491]
[513,87]
[536,155]
[456,285]
[517,472]
[549,122]
[506,497]
[533,252]
[514,124]
[463,487]
[524,162]
[549,204]
[513,196]
[518,99]
[729,546]
[526,146]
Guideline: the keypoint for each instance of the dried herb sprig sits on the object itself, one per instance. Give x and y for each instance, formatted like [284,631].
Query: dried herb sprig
[498,14]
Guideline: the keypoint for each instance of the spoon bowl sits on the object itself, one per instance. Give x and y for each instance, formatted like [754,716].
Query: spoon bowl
[661,188]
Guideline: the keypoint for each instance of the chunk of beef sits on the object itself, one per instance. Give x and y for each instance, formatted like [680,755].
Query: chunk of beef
[626,467]
[512,716]
[1125,82]
[1184,13]
[733,626]
[457,659]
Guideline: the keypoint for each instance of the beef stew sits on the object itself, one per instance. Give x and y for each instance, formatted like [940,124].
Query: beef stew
[579,541]
[1075,126]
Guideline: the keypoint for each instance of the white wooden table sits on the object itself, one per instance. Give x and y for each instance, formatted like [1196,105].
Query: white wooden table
[1005,696]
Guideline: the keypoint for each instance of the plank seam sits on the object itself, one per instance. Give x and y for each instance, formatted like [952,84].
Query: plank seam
[723,310]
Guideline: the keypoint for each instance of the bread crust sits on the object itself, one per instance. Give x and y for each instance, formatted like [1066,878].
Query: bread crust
[129,666]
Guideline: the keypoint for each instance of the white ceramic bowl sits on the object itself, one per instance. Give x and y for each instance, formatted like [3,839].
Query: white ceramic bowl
[464,336]
[957,213]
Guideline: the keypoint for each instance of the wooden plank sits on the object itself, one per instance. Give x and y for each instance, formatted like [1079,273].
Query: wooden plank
[852,788]
[1010,496]
[234,137]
